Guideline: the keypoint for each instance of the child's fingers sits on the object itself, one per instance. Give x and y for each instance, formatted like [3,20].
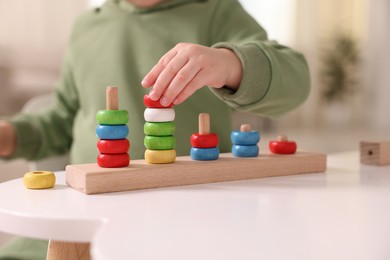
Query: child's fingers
[195,84]
[153,74]
[167,75]
[179,82]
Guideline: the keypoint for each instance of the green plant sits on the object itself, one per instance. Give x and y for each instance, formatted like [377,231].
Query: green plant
[340,61]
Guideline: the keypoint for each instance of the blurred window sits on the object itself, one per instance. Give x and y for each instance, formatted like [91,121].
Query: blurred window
[94,3]
[276,16]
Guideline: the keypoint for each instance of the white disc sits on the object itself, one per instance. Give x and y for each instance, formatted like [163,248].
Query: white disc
[159,114]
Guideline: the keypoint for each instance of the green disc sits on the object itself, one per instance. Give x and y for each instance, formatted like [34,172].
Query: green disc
[159,129]
[159,142]
[112,117]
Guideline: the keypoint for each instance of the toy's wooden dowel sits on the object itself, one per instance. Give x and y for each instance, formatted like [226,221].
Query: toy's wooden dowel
[60,250]
[282,138]
[112,98]
[204,123]
[246,128]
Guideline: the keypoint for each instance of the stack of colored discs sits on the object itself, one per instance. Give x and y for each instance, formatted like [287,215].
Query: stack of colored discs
[204,144]
[245,142]
[112,130]
[159,130]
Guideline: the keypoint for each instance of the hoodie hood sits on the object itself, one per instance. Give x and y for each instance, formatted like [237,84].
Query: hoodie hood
[165,5]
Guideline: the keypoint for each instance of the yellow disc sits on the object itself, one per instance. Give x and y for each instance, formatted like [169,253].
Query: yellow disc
[39,180]
[160,156]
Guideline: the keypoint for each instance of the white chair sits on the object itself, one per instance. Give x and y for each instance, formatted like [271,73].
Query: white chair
[54,163]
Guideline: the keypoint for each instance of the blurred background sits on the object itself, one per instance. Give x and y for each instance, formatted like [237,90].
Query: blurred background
[345,43]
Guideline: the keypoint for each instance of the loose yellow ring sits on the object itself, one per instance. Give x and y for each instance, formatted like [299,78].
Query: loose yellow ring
[39,180]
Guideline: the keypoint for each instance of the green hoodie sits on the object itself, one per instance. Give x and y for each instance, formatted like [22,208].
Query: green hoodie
[119,43]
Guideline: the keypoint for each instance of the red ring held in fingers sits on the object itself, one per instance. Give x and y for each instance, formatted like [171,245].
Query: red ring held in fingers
[154,104]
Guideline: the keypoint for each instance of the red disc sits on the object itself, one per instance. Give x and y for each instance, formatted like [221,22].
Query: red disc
[113,160]
[113,146]
[280,147]
[204,141]
[153,104]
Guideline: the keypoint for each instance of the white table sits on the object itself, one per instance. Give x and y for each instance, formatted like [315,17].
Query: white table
[341,214]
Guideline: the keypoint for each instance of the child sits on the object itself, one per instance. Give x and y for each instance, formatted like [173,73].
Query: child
[174,47]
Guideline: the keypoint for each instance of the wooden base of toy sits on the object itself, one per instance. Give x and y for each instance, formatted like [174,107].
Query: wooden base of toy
[375,153]
[91,179]
[59,250]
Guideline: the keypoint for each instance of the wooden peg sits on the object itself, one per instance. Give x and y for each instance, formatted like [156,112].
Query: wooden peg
[204,123]
[246,128]
[112,98]
[282,138]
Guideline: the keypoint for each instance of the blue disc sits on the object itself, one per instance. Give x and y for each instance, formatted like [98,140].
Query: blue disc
[112,132]
[245,138]
[204,154]
[245,150]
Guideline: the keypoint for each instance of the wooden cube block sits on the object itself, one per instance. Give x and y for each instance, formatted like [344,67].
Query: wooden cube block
[375,153]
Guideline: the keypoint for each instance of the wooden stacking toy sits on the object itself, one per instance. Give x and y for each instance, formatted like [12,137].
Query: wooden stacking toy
[159,130]
[204,144]
[282,146]
[112,130]
[245,142]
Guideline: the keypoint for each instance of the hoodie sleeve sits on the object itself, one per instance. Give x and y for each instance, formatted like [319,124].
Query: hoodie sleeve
[275,78]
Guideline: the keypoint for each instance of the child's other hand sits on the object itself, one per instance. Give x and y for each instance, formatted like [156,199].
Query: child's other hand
[189,67]
[7,139]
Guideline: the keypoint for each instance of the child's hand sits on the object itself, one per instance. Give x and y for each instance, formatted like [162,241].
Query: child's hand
[7,139]
[189,67]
